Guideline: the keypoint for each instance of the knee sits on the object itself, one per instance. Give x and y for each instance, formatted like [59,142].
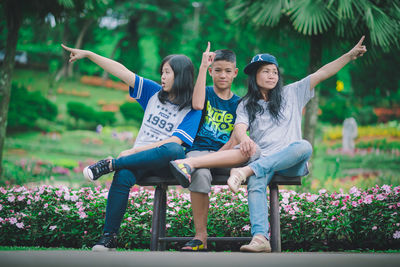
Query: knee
[303,148]
[256,184]
[201,181]
[176,150]
[124,177]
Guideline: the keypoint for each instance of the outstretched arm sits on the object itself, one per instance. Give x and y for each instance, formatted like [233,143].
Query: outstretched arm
[109,65]
[199,93]
[333,67]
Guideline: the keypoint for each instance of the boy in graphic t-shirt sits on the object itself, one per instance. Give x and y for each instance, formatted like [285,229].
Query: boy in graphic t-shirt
[219,105]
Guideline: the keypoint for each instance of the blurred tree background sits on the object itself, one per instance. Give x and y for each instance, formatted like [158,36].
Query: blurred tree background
[140,33]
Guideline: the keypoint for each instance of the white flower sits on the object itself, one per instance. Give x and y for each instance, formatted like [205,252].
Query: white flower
[53,227]
[396,235]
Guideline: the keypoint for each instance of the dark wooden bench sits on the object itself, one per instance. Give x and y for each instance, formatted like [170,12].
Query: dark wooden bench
[220,176]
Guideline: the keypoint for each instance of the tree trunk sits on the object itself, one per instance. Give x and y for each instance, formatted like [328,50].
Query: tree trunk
[311,116]
[78,44]
[14,20]
[105,75]
[63,71]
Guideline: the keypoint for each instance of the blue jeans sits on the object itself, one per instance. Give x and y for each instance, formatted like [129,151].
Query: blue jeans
[130,169]
[290,161]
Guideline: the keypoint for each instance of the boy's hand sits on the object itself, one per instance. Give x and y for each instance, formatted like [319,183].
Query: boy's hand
[208,57]
[75,53]
[358,50]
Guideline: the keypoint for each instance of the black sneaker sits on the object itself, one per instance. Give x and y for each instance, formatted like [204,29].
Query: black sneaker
[95,171]
[107,242]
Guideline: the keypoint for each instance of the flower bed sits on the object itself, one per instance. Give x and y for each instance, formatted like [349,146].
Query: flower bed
[58,216]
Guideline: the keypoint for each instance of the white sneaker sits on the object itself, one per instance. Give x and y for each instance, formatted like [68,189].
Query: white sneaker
[235,180]
[258,244]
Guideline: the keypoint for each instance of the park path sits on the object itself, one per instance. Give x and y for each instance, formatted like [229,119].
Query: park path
[72,258]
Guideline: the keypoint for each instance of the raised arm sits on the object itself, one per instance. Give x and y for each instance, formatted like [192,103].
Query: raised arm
[109,65]
[199,92]
[333,67]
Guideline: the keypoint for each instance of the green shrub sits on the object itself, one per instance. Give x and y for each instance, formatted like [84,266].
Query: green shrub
[58,216]
[80,111]
[105,118]
[132,111]
[27,107]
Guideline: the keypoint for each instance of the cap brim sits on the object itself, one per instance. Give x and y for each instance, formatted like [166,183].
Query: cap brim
[254,66]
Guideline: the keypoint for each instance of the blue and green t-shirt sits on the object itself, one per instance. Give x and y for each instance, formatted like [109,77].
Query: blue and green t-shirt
[218,119]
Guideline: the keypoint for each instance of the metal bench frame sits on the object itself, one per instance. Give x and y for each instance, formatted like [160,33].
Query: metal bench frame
[220,176]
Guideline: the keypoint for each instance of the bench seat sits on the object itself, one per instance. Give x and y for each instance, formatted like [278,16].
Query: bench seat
[220,177]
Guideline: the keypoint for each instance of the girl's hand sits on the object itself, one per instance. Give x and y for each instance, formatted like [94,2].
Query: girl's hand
[75,53]
[248,147]
[208,57]
[358,50]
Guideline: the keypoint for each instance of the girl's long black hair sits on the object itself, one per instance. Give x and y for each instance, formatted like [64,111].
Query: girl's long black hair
[182,89]
[254,95]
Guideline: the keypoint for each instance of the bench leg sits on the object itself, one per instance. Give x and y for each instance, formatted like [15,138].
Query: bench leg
[155,225]
[275,218]
[163,214]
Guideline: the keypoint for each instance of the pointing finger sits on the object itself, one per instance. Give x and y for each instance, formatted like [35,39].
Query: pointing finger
[208,47]
[361,40]
[66,48]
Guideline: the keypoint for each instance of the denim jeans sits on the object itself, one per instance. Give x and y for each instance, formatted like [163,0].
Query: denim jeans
[290,161]
[130,169]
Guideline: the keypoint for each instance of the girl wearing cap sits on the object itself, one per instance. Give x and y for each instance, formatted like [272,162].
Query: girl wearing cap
[272,114]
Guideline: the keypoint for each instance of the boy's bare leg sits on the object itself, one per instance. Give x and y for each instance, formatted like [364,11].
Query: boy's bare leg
[200,206]
[219,159]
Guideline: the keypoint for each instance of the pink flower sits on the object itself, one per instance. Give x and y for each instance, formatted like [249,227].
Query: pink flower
[65,207]
[293,218]
[1,207]
[167,225]
[11,198]
[13,220]
[20,197]
[129,219]
[246,228]
[374,228]
[45,206]
[322,191]
[335,203]
[380,197]
[368,199]
[386,188]
[317,210]
[53,227]
[354,204]
[3,191]
[20,225]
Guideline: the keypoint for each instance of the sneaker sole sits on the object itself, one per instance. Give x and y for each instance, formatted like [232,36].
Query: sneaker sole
[183,181]
[99,248]
[254,250]
[88,174]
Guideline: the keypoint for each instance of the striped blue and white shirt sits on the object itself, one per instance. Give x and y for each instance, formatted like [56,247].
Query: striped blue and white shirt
[161,121]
